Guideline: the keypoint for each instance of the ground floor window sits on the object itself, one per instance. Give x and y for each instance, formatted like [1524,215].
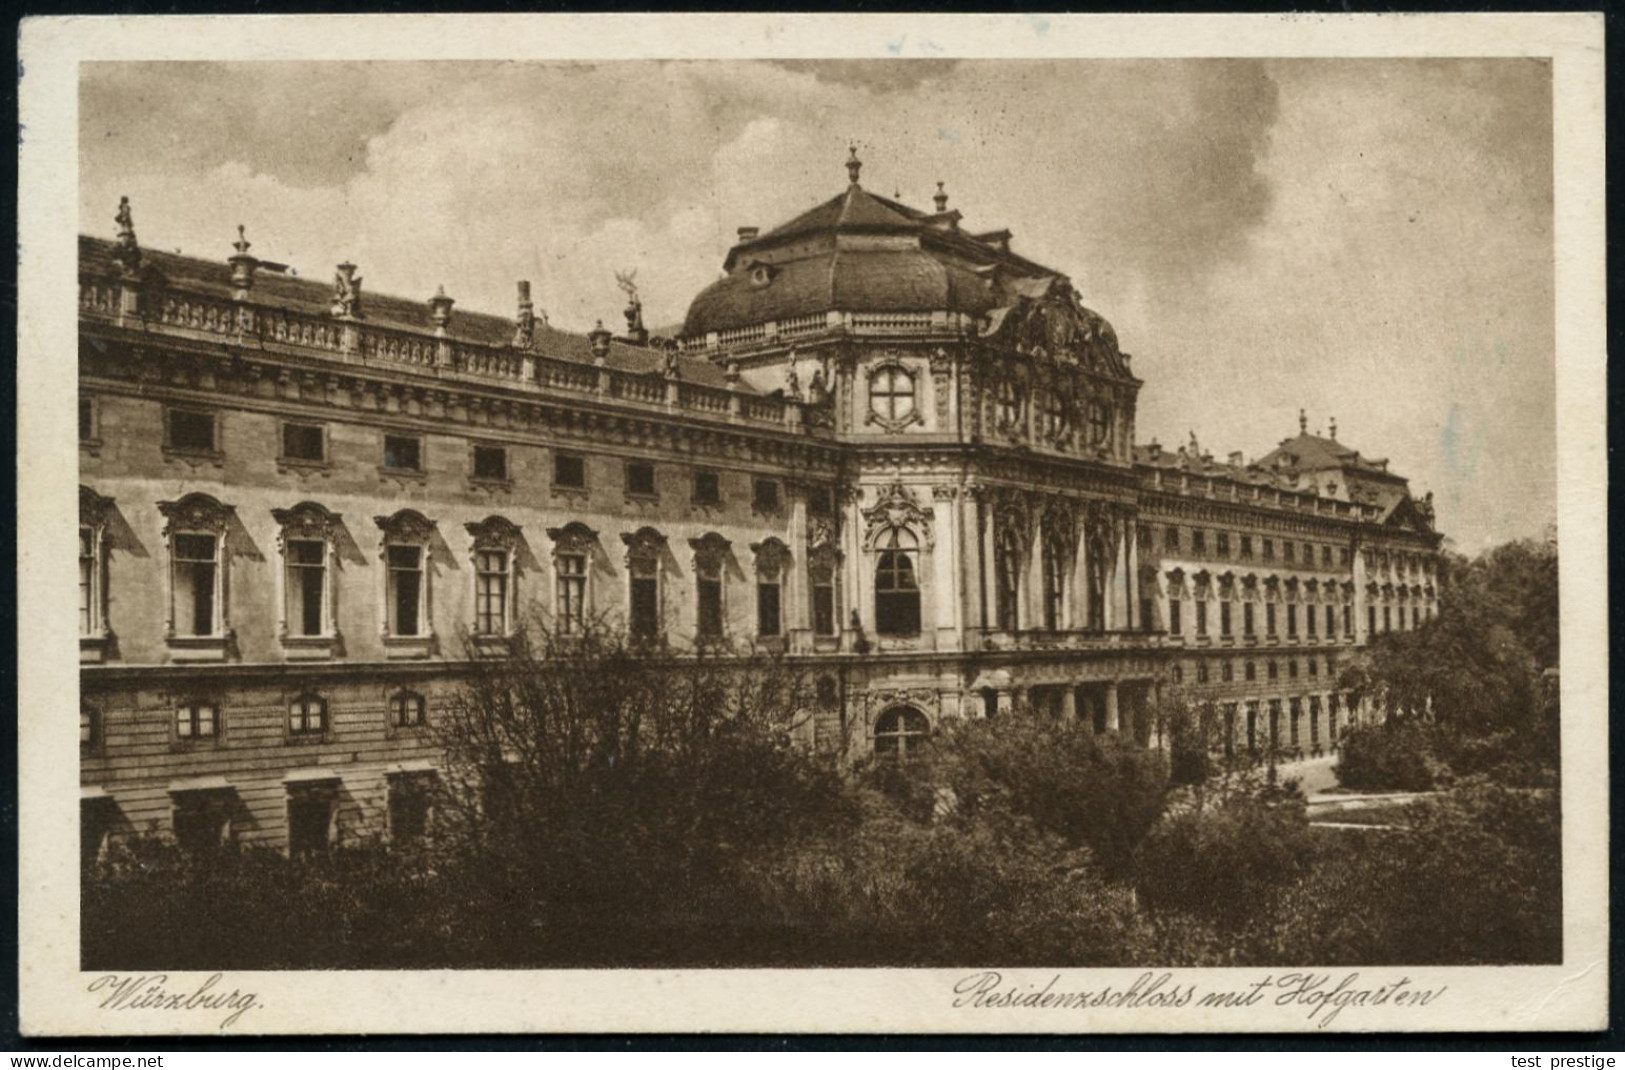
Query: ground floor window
[900,732]
[310,823]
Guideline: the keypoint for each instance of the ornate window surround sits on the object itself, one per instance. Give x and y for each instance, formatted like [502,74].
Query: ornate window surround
[407,527]
[647,544]
[573,538]
[313,522]
[94,513]
[893,369]
[199,514]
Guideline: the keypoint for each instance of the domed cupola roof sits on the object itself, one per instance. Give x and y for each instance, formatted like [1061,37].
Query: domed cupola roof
[858,252]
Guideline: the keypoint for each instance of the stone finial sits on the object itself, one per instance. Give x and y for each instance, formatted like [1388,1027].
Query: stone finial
[731,375]
[128,252]
[599,337]
[440,309]
[941,198]
[634,306]
[524,323]
[853,164]
[1334,428]
[347,292]
[242,264]
[1303,422]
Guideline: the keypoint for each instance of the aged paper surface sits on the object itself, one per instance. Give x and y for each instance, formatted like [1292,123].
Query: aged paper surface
[58,997]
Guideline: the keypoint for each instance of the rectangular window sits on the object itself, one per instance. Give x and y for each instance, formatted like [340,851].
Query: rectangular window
[1331,622]
[1224,544]
[1292,668]
[707,488]
[1247,615]
[197,720]
[491,592]
[87,581]
[1171,538]
[1275,671]
[1289,550]
[1326,556]
[708,601]
[1227,672]
[1293,722]
[1201,616]
[1342,555]
[191,431]
[1142,534]
[202,823]
[1309,619]
[645,598]
[1371,620]
[1269,618]
[307,716]
[1224,619]
[304,442]
[1348,620]
[640,479]
[405,590]
[491,463]
[404,453]
[1387,619]
[1198,541]
[1250,672]
[1247,547]
[569,471]
[1314,722]
[310,823]
[1292,621]
[1201,672]
[1269,549]
[1175,623]
[572,592]
[406,710]
[307,582]
[195,577]
[87,419]
[823,602]
[1146,612]
[1314,667]
[765,496]
[767,608]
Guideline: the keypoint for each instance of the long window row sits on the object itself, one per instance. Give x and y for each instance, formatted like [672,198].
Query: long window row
[1302,723]
[198,538]
[1229,546]
[197,431]
[1226,670]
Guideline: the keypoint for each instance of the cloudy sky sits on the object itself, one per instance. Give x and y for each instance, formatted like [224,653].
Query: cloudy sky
[1370,240]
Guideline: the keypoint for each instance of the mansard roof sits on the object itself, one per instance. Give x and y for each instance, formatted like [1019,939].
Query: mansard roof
[314,296]
[1313,453]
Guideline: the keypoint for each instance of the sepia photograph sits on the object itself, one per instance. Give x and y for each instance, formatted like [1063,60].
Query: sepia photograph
[996,515]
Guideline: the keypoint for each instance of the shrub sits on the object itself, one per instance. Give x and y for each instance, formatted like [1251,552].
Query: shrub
[1227,863]
[1397,755]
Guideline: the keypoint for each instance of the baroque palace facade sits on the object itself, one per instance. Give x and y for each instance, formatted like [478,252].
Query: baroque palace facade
[891,448]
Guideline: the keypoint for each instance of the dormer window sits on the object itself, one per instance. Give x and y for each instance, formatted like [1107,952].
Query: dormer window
[760,274]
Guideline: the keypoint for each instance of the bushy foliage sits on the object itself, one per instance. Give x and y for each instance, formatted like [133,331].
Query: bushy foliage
[1475,878]
[1226,863]
[1390,756]
[1099,792]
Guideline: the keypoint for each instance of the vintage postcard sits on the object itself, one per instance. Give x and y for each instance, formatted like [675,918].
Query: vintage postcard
[812,523]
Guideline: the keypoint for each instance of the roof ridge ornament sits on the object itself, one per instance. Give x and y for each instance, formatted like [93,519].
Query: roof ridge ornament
[128,253]
[853,164]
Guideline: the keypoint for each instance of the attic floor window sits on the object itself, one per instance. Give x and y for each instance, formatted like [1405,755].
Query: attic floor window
[404,453]
[304,442]
[640,478]
[569,470]
[491,463]
[707,488]
[191,431]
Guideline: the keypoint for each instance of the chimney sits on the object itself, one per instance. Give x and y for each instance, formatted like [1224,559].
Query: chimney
[524,330]
[1235,459]
[1155,450]
[941,198]
[748,234]
[1303,422]
[1334,429]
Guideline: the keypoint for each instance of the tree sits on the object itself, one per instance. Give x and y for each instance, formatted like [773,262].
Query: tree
[597,792]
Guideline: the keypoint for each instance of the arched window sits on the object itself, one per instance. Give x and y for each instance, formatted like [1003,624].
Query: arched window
[306,540]
[1007,579]
[900,732]
[821,578]
[710,557]
[196,534]
[1099,417]
[93,516]
[496,544]
[572,556]
[891,396]
[771,557]
[643,553]
[1057,551]
[897,587]
[407,535]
